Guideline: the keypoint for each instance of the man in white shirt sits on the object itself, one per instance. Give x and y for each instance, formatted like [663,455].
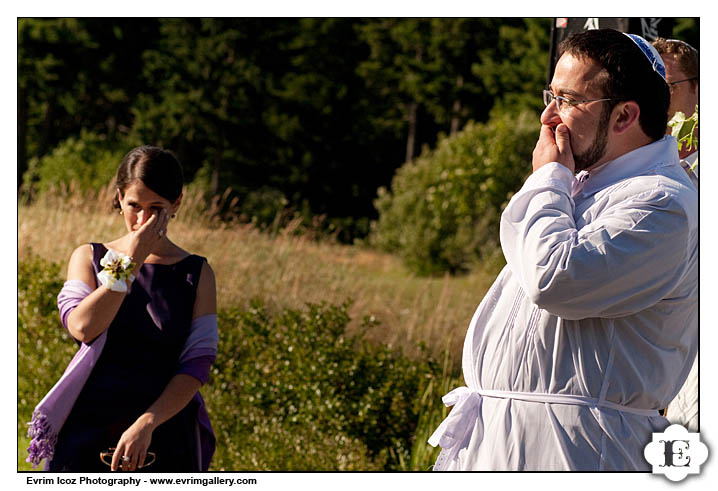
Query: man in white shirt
[681,61]
[590,328]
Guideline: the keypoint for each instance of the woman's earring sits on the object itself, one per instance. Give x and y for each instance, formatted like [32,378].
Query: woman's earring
[122,212]
[174,215]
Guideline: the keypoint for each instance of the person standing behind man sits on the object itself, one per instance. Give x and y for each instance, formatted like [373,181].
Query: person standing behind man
[590,328]
[681,61]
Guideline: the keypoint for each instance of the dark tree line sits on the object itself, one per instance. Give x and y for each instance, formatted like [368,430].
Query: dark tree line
[316,113]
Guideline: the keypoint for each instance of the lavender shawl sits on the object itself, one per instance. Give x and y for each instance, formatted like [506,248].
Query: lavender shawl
[50,414]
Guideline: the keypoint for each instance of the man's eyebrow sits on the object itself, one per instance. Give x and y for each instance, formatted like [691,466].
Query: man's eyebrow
[559,91]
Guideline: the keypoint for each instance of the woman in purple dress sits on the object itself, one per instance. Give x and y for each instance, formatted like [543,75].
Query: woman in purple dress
[144,313]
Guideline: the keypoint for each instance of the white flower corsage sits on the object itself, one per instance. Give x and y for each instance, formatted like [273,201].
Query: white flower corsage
[117,269]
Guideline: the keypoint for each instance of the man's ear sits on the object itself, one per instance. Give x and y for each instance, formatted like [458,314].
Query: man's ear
[625,116]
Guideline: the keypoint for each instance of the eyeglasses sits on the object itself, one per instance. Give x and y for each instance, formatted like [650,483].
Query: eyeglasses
[106,457]
[671,84]
[563,103]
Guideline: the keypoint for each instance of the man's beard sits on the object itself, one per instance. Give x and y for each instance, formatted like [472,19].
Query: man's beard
[598,147]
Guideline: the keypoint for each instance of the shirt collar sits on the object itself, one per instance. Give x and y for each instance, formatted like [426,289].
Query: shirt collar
[643,160]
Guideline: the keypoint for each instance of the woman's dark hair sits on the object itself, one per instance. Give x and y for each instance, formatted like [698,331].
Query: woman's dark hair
[155,167]
[630,75]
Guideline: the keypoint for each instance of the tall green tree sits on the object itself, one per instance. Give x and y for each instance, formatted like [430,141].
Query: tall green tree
[441,73]
[399,70]
[311,113]
[204,93]
[273,108]
[76,74]
[337,155]
[513,70]
[46,78]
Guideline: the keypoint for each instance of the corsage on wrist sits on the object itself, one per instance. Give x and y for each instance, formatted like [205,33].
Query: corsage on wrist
[117,269]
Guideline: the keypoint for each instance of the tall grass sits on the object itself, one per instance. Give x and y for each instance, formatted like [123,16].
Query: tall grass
[284,269]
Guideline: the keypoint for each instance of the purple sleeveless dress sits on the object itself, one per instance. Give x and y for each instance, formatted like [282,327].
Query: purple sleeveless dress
[140,356]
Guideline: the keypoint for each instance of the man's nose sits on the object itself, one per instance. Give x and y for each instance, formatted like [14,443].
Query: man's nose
[550,115]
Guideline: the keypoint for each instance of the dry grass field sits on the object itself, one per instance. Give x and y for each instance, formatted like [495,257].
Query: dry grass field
[285,269]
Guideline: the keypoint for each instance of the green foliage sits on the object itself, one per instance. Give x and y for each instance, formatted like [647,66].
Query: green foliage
[43,346]
[517,75]
[264,205]
[322,110]
[688,29]
[89,161]
[443,209]
[338,403]
[74,74]
[685,131]
[289,391]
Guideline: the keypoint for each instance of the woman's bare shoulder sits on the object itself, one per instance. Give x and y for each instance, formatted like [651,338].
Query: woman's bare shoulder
[206,301]
[80,265]
[82,254]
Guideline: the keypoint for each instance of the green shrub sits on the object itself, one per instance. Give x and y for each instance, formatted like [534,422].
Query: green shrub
[443,209]
[44,348]
[298,373]
[89,161]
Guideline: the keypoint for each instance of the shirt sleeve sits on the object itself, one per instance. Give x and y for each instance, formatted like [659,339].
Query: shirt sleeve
[630,256]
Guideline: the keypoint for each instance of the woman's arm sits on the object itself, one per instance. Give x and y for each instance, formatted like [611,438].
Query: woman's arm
[135,441]
[95,313]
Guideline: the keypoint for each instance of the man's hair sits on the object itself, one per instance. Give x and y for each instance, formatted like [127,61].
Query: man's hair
[685,54]
[629,75]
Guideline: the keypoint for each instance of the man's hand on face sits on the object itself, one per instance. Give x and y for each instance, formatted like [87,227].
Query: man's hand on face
[553,148]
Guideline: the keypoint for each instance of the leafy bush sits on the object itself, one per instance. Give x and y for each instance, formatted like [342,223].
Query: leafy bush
[289,391]
[44,346]
[443,209]
[343,404]
[90,161]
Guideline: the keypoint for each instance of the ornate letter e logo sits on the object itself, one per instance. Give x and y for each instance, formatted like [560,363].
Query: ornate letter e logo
[676,453]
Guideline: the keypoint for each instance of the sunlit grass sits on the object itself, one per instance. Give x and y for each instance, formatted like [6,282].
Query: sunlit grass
[285,269]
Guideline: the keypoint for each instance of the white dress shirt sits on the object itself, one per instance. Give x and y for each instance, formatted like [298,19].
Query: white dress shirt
[589,329]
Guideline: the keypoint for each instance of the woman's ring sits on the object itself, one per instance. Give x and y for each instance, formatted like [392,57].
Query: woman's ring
[125,459]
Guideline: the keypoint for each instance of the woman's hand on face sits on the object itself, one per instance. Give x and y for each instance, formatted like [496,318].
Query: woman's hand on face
[134,443]
[144,239]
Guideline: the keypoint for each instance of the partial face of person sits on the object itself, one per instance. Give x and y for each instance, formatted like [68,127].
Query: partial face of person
[579,79]
[139,203]
[684,95]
